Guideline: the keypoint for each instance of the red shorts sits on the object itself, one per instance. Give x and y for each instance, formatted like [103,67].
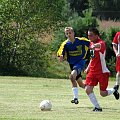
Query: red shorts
[118,64]
[93,79]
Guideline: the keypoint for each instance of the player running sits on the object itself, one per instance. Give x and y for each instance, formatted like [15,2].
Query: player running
[116,48]
[97,71]
[74,50]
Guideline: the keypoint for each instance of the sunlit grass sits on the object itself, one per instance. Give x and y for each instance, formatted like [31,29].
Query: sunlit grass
[20,98]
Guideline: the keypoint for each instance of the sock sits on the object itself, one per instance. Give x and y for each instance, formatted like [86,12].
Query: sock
[75,92]
[94,100]
[117,79]
[110,91]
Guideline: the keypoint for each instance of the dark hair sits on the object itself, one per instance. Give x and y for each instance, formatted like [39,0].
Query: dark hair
[94,30]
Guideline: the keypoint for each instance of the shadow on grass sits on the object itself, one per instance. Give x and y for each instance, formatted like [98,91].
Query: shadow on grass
[90,109]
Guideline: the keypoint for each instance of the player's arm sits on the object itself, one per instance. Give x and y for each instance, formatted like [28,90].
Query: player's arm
[88,68]
[62,52]
[97,45]
[61,58]
[115,49]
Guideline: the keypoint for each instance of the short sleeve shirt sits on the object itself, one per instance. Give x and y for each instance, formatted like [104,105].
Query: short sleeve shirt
[98,64]
[115,39]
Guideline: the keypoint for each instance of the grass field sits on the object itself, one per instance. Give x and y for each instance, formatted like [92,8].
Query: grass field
[20,98]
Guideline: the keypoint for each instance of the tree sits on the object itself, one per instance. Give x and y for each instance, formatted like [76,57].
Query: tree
[22,23]
[105,9]
[78,6]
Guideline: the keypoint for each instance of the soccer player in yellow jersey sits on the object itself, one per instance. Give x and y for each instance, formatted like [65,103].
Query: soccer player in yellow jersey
[74,50]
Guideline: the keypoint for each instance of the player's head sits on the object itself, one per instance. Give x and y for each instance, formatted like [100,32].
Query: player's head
[69,33]
[93,34]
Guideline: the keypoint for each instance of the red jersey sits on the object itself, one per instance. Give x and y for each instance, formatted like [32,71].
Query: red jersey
[98,64]
[115,40]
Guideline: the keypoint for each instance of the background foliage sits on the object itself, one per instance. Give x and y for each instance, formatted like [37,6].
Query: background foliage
[22,22]
[105,9]
[24,25]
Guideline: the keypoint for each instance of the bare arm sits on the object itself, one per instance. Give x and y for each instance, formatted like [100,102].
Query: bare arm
[115,48]
[97,45]
[88,68]
[61,58]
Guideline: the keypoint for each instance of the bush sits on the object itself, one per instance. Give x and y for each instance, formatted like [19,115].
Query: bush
[110,55]
[28,58]
[80,26]
[22,23]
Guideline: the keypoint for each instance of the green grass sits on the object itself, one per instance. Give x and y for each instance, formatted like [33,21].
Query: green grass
[58,69]
[20,98]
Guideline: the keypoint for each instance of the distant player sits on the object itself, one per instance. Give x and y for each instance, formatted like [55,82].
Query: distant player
[97,71]
[116,48]
[74,50]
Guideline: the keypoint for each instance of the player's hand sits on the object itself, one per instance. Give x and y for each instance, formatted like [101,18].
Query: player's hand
[86,70]
[61,58]
[117,55]
[92,47]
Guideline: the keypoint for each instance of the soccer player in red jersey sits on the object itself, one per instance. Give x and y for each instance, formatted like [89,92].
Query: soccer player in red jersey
[97,72]
[116,48]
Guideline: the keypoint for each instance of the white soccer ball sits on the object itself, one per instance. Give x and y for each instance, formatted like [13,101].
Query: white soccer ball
[45,105]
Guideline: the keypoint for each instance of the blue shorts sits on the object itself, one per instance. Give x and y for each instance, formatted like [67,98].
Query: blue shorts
[79,66]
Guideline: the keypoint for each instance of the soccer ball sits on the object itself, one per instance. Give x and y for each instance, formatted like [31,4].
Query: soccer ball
[45,105]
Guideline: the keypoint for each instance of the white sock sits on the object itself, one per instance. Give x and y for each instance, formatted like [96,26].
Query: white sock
[75,92]
[117,79]
[94,100]
[110,91]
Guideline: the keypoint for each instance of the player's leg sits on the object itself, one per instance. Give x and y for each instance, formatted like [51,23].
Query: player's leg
[118,73]
[92,97]
[118,66]
[90,83]
[80,81]
[74,86]
[76,72]
[79,67]
[81,84]
[117,80]
[103,83]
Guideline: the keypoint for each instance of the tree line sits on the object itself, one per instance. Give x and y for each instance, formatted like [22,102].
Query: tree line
[23,23]
[103,9]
